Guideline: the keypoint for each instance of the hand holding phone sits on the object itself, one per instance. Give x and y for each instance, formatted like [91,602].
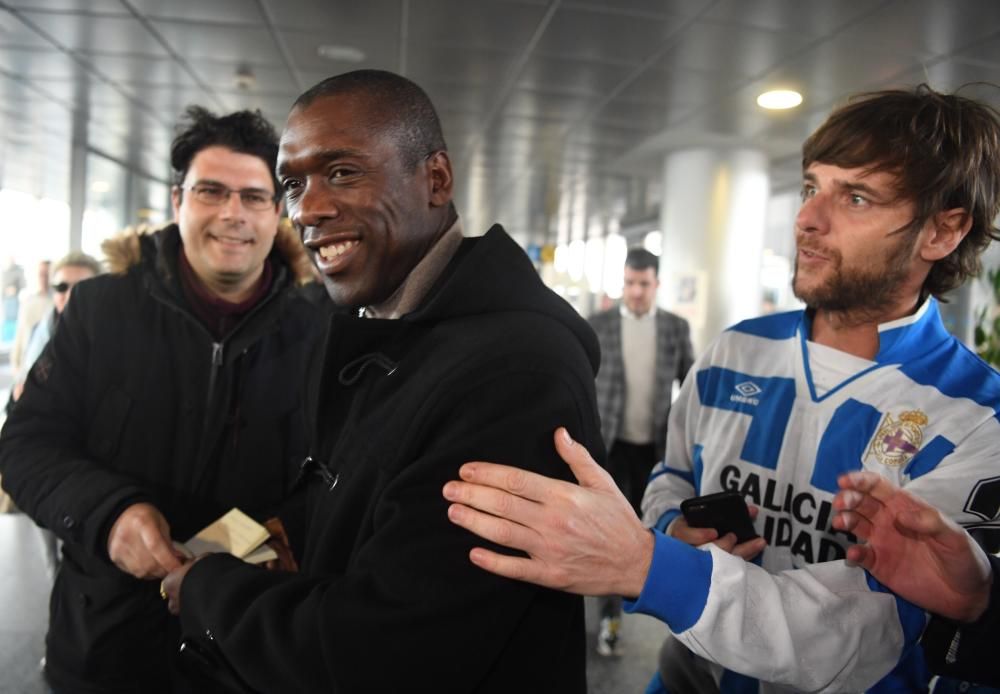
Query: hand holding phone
[726,512]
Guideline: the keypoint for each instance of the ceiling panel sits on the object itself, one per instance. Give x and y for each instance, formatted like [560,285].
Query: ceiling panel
[923,28]
[663,9]
[304,47]
[138,68]
[372,21]
[90,32]
[69,6]
[225,11]
[483,24]
[575,34]
[219,42]
[39,64]
[731,52]
[812,18]
[568,76]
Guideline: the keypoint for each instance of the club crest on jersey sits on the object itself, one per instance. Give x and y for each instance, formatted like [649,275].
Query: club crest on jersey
[898,440]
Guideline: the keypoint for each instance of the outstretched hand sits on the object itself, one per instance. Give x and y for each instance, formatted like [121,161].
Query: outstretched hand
[583,539]
[912,548]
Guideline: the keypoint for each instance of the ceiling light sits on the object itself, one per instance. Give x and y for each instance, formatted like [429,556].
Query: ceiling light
[348,54]
[779,99]
[244,79]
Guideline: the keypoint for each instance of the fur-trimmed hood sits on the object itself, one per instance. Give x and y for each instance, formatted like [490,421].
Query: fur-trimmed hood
[124,251]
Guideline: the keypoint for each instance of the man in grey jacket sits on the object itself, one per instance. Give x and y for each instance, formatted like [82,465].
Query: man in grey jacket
[644,349]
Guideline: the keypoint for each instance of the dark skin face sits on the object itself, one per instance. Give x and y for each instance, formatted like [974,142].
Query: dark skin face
[365,217]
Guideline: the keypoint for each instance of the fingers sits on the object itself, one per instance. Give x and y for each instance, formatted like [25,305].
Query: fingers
[524,484]
[869,483]
[171,586]
[160,550]
[586,470]
[854,523]
[139,542]
[749,549]
[498,530]
[861,555]
[493,501]
[680,530]
[859,503]
[517,568]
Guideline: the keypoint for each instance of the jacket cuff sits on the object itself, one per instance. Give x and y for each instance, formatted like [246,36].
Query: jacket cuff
[677,585]
[668,517]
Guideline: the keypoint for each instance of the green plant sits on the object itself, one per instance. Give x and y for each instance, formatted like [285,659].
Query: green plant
[988,324]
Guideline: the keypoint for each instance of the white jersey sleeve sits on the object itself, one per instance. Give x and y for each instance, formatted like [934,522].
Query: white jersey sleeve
[818,629]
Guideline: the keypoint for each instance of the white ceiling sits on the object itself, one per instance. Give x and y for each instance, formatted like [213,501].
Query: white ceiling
[556,112]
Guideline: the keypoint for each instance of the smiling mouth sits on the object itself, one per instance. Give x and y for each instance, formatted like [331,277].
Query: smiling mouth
[231,240]
[335,250]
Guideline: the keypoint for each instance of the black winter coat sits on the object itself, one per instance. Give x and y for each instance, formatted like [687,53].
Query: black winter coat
[387,599]
[133,400]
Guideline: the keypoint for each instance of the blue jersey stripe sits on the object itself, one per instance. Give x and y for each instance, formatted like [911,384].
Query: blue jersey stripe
[735,683]
[957,373]
[697,466]
[777,326]
[843,444]
[929,456]
[767,400]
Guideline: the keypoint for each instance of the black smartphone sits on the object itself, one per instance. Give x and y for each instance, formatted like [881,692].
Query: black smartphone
[725,511]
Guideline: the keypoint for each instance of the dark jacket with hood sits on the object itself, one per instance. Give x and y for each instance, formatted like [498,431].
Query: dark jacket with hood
[387,599]
[133,400]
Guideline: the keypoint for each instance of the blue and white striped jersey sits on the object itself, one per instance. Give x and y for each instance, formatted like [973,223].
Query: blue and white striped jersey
[924,414]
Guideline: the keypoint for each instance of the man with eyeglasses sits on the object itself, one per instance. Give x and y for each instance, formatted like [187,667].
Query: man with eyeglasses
[170,393]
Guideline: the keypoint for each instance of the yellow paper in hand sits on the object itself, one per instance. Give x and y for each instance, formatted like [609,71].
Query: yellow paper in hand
[235,533]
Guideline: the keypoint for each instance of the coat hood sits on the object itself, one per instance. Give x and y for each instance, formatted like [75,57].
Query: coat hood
[125,250]
[503,274]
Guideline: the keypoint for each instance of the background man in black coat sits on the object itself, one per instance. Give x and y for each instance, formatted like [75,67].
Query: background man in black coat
[461,351]
[170,392]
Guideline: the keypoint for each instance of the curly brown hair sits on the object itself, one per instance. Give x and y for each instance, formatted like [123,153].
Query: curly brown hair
[943,149]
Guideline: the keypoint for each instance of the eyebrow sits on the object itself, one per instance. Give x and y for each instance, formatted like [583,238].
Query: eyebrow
[325,155]
[849,185]
[213,182]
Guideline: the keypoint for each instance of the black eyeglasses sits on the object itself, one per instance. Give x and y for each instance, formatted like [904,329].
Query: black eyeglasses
[63,287]
[214,194]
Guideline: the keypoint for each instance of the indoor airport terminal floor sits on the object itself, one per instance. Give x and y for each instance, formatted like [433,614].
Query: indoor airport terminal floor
[274,272]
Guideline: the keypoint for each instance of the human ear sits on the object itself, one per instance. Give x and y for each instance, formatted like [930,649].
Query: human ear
[175,200]
[947,230]
[439,178]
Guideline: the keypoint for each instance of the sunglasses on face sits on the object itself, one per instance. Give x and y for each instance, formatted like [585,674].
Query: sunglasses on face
[63,287]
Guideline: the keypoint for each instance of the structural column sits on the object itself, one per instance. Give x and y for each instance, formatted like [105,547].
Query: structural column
[712,215]
[77,179]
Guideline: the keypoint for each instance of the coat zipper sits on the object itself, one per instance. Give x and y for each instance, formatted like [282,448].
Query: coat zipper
[214,372]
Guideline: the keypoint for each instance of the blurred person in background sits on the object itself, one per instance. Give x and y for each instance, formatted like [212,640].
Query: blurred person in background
[644,352]
[67,273]
[35,304]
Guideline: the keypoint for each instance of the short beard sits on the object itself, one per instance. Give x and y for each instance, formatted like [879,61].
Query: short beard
[860,294]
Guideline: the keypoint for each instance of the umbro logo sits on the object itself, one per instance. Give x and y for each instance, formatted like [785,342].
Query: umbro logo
[746,393]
